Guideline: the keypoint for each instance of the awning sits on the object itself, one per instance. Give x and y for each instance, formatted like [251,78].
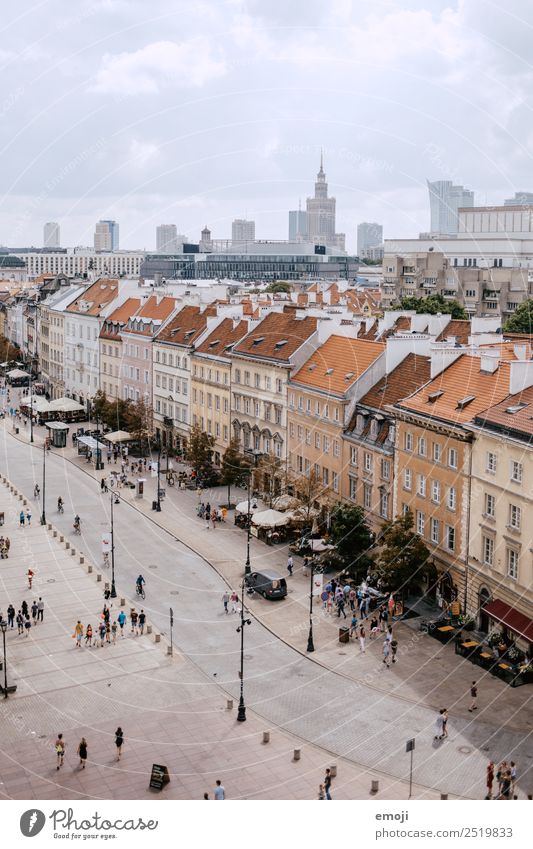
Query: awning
[65,405]
[118,436]
[269,519]
[57,426]
[16,372]
[511,618]
[91,443]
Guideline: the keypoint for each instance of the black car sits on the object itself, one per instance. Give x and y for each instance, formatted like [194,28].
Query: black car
[268,583]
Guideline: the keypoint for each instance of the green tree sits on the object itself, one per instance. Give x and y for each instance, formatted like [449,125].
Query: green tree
[139,417]
[233,466]
[432,305]
[279,286]
[311,492]
[522,319]
[116,413]
[199,453]
[353,538]
[403,555]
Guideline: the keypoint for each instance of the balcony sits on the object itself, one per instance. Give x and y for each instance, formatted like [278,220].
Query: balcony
[490,295]
[168,421]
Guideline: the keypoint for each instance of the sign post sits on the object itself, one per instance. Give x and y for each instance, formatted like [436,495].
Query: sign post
[171,624]
[410,747]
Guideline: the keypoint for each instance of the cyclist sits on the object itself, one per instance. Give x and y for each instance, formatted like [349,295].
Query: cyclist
[77,522]
[59,505]
[36,490]
[139,584]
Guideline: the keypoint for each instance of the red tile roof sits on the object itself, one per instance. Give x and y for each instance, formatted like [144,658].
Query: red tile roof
[185,327]
[337,364]
[514,413]
[411,374]
[97,296]
[119,317]
[461,328]
[223,335]
[277,337]
[155,310]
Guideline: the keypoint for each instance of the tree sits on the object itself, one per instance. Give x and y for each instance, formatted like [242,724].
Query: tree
[522,319]
[115,414]
[279,286]
[234,465]
[139,417]
[199,453]
[432,305]
[403,554]
[309,490]
[353,538]
[271,474]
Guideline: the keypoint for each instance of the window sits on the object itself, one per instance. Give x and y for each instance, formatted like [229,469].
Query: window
[291,400]
[437,452]
[435,491]
[317,440]
[450,538]
[291,430]
[408,441]
[353,489]
[452,498]
[368,462]
[257,380]
[435,531]
[325,476]
[325,444]
[385,469]
[335,481]
[247,378]
[452,458]
[299,463]
[384,505]
[491,462]
[307,436]
[316,469]
[488,551]
[515,516]
[490,505]
[300,431]
[307,467]
[420,523]
[516,471]
[512,563]
[336,448]
[407,477]
[367,496]
[279,385]
[267,381]
[308,406]
[353,456]
[421,485]
[422,446]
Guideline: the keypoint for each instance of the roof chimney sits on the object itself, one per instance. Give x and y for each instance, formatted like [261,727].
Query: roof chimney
[489,361]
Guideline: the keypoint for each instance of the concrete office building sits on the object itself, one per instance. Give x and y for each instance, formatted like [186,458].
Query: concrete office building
[106,236]
[369,235]
[242,230]
[297,225]
[51,235]
[166,236]
[445,200]
[520,199]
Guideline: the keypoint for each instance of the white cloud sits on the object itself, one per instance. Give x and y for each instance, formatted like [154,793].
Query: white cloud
[142,152]
[160,65]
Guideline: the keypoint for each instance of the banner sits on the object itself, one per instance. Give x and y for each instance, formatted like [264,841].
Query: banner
[106,543]
[318,582]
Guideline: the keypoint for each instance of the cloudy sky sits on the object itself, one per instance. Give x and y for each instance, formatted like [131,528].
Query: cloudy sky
[191,113]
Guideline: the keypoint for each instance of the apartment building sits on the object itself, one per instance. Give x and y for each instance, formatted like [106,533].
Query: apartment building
[51,338]
[211,382]
[433,451]
[111,347]
[137,336]
[369,439]
[321,395]
[500,563]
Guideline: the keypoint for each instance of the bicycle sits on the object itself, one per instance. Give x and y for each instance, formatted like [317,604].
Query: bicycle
[77,529]
[139,589]
[60,508]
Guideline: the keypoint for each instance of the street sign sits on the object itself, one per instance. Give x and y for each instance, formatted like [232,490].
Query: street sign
[159,776]
[410,745]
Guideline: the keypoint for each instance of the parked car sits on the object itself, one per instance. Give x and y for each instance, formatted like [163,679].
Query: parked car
[268,583]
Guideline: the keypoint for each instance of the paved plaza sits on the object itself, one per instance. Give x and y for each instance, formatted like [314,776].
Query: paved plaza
[339,706]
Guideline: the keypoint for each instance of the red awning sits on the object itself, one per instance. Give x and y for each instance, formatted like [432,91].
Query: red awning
[513,619]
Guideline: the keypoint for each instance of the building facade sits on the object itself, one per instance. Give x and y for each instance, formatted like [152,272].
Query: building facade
[111,348]
[445,201]
[369,235]
[137,335]
[242,230]
[106,236]
[51,235]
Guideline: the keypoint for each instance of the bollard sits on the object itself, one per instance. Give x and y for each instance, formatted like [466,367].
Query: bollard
[61,538]
[296,755]
[54,534]
[229,704]
[82,558]
[333,770]
[266,736]
[49,526]
[374,787]
[24,501]
[122,604]
[67,545]
[89,569]
[98,578]
[148,629]
[443,796]
[73,551]
[157,638]
[169,650]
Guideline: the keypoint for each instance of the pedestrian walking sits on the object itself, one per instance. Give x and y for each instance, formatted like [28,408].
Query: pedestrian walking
[220,793]
[352,596]
[119,741]
[20,622]
[10,615]
[327,783]
[445,722]
[27,625]
[40,610]
[89,636]
[24,607]
[82,752]
[34,612]
[290,564]
[505,792]
[234,598]
[340,606]
[439,725]
[36,491]
[22,518]
[133,619]
[114,631]
[373,628]
[490,779]
[473,696]
[121,618]
[225,601]
[30,575]
[60,750]
[329,604]
[207,517]
[101,630]
[394,649]
[214,519]
[502,769]
[513,779]
[142,620]
[107,632]
[386,653]
[362,635]
[78,634]
[28,516]
[321,792]
[353,625]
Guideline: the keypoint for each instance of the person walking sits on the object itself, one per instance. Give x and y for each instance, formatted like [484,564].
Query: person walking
[101,629]
[220,793]
[445,722]
[24,607]
[10,616]
[89,636]
[394,649]
[121,619]
[352,595]
[473,696]
[119,741]
[27,625]
[20,622]
[362,635]
[114,631]
[142,620]
[386,653]
[133,619]
[513,779]
[82,752]
[353,625]
[234,598]
[30,575]
[225,600]
[340,606]
[490,779]
[40,610]
[78,634]
[327,783]
[28,517]
[439,725]
[60,750]
[22,518]
[290,564]
[214,519]
[107,631]
[34,611]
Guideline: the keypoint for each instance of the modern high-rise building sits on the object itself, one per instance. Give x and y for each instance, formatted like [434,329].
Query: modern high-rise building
[445,200]
[51,237]
[242,230]
[520,199]
[106,236]
[321,214]
[297,225]
[369,235]
[166,239]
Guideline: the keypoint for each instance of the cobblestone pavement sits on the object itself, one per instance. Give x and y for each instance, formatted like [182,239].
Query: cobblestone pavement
[360,711]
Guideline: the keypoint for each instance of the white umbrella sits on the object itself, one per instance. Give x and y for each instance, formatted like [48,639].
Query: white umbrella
[65,405]
[242,507]
[270,519]
[118,436]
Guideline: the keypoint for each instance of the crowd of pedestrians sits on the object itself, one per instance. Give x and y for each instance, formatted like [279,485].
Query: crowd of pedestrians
[82,751]
[26,617]
[105,632]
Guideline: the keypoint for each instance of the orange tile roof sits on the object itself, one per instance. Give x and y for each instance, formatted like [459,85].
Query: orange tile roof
[185,327]
[460,392]
[337,364]
[461,328]
[98,296]
[223,335]
[411,374]
[157,311]
[119,316]
[277,337]
[514,414]
[507,349]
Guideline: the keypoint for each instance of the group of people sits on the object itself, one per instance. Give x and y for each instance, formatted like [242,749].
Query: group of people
[211,515]
[83,749]
[232,598]
[105,632]
[506,778]
[25,617]
[5,545]
[25,517]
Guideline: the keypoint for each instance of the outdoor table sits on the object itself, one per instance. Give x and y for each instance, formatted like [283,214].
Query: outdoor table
[486,655]
[445,628]
[504,666]
[443,633]
[470,644]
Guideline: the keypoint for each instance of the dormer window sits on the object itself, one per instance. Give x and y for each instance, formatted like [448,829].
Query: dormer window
[280,344]
[433,396]
[360,423]
[464,402]
[373,429]
[258,340]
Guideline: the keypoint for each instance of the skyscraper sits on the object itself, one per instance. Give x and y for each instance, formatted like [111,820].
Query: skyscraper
[106,236]
[321,211]
[166,239]
[242,230]
[520,199]
[369,235]
[445,200]
[51,238]
[297,225]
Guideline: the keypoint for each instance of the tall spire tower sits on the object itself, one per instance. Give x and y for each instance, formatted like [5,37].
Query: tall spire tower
[321,211]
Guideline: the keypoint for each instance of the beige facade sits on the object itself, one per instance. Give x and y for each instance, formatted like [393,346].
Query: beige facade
[315,424]
[111,348]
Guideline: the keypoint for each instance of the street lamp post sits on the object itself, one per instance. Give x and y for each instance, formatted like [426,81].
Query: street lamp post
[247,567]
[31,402]
[99,464]
[310,643]
[241,715]
[43,513]
[3,627]
[158,506]
[114,495]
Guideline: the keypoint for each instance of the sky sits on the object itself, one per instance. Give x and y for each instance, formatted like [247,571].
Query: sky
[197,113]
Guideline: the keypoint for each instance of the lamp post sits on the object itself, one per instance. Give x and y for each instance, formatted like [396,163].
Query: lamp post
[115,499]
[158,506]
[43,513]
[247,567]
[99,464]
[3,627]
[31,402]
[241,715]
[310,643]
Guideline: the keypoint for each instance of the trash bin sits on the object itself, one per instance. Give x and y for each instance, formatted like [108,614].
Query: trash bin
[154,505]
[344,634]
[16,430]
